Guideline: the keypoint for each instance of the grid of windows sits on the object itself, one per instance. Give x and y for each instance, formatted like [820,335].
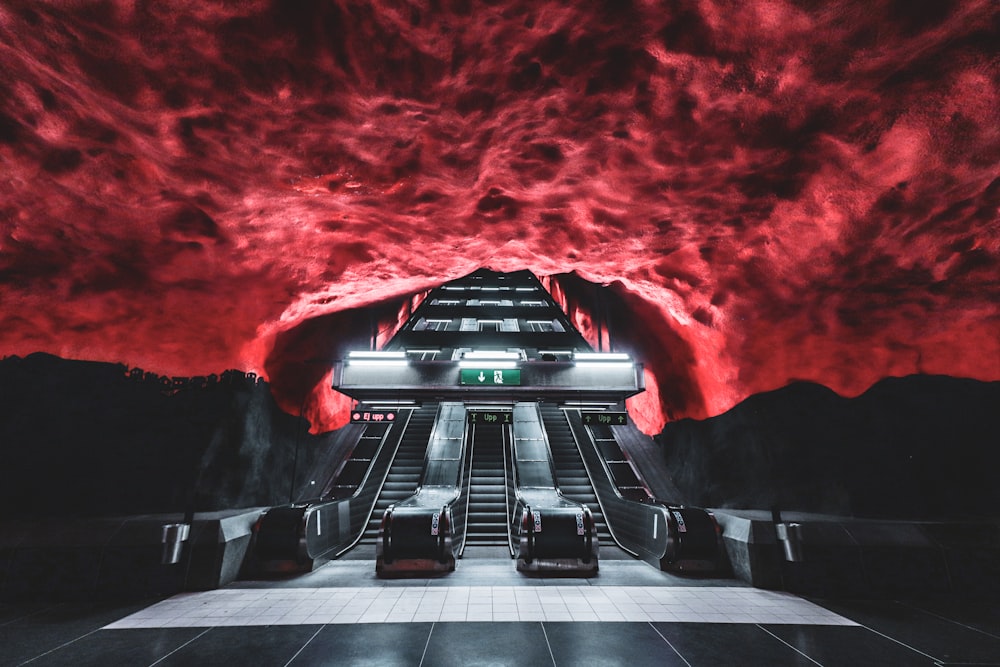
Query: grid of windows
[437,325]
[478,288]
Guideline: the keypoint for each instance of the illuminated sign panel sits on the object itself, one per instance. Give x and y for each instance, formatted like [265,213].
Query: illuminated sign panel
[605,417]
[494,377]
[372,416]
[490,417]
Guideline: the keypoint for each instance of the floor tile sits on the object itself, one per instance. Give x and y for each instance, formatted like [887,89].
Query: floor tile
[386,645]
[946,641]
[244,646]
[496,644]
[27,636]
[723,645]
[120,647]
[833,646]
[608,645]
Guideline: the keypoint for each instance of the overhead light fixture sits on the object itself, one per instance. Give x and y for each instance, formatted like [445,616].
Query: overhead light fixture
[481,363]
[600,356]
[377,362]
[486,355]
[376,354]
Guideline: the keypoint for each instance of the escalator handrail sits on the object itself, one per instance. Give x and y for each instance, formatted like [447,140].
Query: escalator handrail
[446,510]
[470,453]
[635,508]
[590,478]
[361,487]
[507,437]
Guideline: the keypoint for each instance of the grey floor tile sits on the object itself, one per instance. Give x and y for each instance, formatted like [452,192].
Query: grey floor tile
[839,646]
[946,641]
[981,615]
[472,644]
[244,646]
[383,644]
[30,636]
[736,644]
[609,645]
[120,647]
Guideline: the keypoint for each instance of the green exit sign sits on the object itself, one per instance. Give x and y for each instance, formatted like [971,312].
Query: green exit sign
[492,377]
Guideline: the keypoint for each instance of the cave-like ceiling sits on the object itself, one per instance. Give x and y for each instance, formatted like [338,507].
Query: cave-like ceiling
[791,189]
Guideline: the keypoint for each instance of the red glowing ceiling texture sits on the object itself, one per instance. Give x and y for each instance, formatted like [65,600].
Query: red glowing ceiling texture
[781,190]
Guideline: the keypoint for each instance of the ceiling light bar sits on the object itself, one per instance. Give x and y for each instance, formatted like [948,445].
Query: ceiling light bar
[377,362]
[491,354]
[600,356]
[481,363]
[604,365]
[376,354]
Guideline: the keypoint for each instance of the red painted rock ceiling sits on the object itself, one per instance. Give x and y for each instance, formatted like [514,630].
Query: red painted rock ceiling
[778,189]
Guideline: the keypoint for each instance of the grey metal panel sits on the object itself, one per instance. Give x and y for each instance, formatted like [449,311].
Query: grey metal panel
[532,450]
[535,474]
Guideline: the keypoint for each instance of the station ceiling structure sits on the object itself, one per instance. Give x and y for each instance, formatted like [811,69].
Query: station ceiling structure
[779,190]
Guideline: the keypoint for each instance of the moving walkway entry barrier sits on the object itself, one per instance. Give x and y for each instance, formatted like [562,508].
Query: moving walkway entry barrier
[419,534]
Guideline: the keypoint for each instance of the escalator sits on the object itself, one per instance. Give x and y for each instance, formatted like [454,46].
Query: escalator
[571,475]
[554,533]
[487,517]
[384,467]
[404,475]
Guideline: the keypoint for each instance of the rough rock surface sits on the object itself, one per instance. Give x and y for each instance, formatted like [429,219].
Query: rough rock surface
[781,190]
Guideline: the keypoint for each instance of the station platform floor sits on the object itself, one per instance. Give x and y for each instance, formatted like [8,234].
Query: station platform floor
[486,613]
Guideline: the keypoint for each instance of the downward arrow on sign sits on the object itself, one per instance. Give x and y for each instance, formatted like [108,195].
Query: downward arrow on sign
[482,377]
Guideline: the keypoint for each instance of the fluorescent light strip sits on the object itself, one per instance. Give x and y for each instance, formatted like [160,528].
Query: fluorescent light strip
[600,356]
[490,354]
[376,354]
[486,364]
[604,364]
[378,362]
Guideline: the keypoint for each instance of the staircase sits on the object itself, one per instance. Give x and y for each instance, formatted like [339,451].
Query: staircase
[487,517]
[571,475]
[404,474]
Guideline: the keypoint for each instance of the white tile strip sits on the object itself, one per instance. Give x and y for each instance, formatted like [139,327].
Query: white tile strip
[302,606]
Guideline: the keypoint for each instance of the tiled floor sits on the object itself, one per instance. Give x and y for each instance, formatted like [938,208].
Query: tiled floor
[487,614]
[421,604]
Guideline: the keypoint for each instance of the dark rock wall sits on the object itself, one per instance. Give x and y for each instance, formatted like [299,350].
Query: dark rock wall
[84,438]
[918,447]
